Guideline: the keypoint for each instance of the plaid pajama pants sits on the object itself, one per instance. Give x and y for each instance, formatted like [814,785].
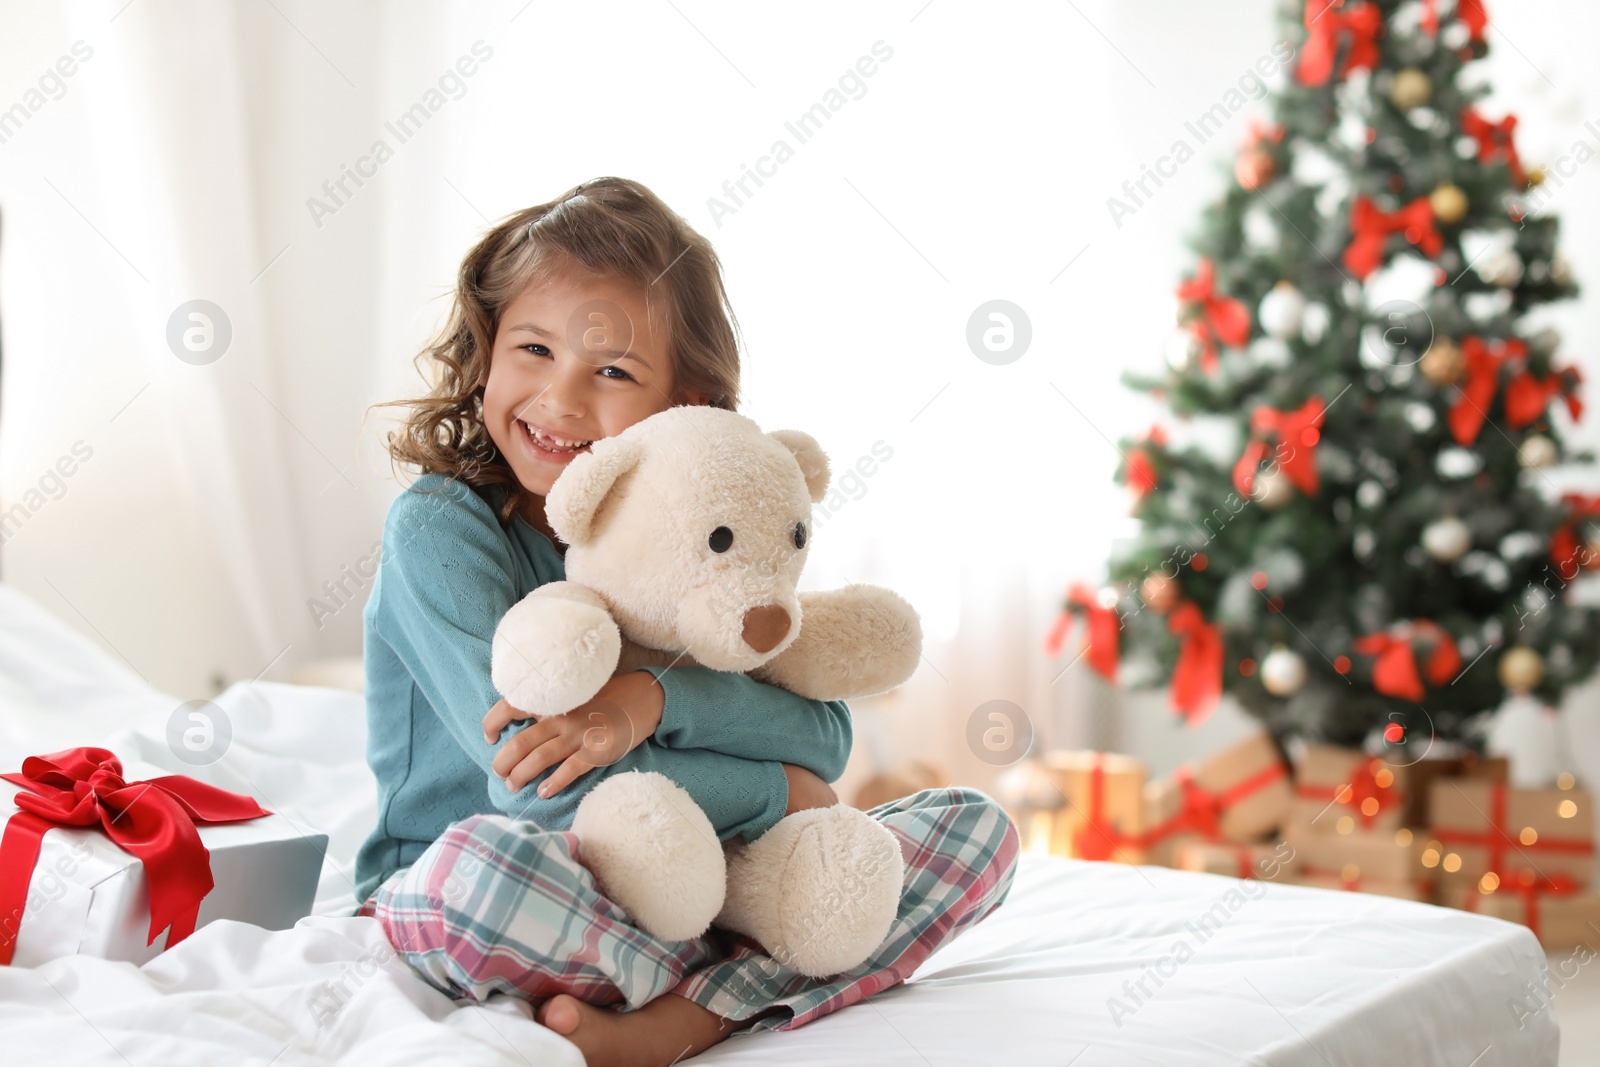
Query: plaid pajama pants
[496,905]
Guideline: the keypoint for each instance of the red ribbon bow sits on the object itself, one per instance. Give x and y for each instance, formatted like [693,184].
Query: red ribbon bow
[1395,672]
[1370,229]
[1197,678]
[1470,12]
[1362,786]
[1528,397]
[1104,630]
[1221,317]
[1324,24]
[1497,838]
[1565,550]
[1494,140]
[1138,470]
[1471,408]
[153,820]
[1298,429]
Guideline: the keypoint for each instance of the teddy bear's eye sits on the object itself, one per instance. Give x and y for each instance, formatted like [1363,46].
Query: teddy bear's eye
[799,535]
[721,539]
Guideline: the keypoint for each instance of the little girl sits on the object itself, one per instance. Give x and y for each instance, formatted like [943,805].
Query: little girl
[572,321]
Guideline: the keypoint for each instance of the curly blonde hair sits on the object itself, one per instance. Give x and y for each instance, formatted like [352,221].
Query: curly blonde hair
[609,226]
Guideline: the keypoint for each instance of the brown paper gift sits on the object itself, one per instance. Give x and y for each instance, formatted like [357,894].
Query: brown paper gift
[1267,861]
[1239,794]
[1104,815]
[1386,887]
[1481,827]
[1339,787]
[1421,775]
[1558,919]
[1388,855]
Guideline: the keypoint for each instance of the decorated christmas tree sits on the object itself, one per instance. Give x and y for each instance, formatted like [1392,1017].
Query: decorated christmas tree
[1376,544]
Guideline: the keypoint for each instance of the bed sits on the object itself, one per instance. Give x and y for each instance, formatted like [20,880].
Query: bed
[1085,964]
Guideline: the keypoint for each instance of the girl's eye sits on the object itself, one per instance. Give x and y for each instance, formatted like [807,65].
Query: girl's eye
[626,377]
[536,349]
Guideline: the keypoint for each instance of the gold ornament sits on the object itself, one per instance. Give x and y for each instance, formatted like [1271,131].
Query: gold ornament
[1535,176]
[1521,668]
[1410,88]
[1443,364]
[1272,489]
[1159,593]
[1537,451]
[1449,203]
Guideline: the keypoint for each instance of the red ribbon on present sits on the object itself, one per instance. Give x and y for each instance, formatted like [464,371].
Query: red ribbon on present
[1324,26]
[1494,141]
[1497,840]
[1201,810]
[1562,885]
[1221,317]
[1370,229]
[1565,549]
[1483,362]
[1395,672]
[1197,678]
[153,820]
[1104,629]
[1362,786]
[1094,838]
[1299,429]
[1470,12]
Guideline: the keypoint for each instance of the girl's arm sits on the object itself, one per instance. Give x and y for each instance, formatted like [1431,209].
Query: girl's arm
[739,716]
[446,578]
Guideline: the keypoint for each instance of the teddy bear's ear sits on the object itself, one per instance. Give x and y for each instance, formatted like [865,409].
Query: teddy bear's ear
[575,498]
[813,461]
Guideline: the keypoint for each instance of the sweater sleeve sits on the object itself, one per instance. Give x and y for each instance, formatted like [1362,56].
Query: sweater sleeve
[447,579]
[737,715]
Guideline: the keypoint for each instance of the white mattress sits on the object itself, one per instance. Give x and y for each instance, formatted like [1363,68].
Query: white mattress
[1284,976]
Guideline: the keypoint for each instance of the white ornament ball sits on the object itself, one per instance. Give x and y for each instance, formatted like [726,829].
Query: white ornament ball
[1446,539]
[1502,268]
[1272,489]
[1282,311]
[1537,451]
[1283,672]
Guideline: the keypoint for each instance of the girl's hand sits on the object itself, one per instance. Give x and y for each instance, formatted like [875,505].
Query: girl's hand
[806,790]
[621,716]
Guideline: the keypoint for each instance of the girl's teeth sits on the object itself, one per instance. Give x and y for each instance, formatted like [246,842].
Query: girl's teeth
[556,444]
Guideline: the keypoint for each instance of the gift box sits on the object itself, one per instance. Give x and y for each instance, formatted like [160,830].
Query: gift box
[1265,861]
[80,893]
[1387,887]
[1421,775]
[1343,787]
[1239,794]
[1104,815]
[1386,855]
[1482,827]
[1560,913]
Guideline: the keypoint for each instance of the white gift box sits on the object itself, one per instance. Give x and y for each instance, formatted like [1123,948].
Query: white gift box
[88,897]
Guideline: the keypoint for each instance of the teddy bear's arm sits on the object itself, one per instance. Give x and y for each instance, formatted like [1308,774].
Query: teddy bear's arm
[853,642]
[554,649]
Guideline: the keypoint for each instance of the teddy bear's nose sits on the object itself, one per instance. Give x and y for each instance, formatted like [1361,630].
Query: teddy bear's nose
[765,626]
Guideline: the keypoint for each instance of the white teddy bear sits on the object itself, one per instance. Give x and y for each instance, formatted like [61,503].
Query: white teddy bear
[687,533]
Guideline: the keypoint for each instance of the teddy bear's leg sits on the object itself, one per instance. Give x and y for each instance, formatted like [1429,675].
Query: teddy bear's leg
[853,642]
[554,649]
[654,853]
[819,890]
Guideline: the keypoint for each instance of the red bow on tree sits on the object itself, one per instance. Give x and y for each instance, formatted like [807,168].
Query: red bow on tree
[1528,397]
[1298,429]
[1470,12]
[1395,671]
[1494,140]
[1324,25]
[1197,678]
[1103,639]
[1566,552]
[1370,230]
[1138,471]
[153,820]
[1482,380]
[1221,317]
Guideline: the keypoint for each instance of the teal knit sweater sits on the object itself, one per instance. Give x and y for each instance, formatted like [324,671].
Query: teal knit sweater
[448,573]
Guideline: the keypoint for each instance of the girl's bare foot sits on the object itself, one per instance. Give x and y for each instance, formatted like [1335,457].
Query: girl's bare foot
[663,1032]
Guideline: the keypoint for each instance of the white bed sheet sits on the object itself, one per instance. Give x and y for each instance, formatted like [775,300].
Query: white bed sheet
[1289,977]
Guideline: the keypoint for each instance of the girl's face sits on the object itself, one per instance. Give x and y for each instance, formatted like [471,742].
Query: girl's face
[573,361]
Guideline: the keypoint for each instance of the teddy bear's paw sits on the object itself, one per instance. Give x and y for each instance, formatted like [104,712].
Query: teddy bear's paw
[552,653]
[819,891]
[854,642]
[654,853]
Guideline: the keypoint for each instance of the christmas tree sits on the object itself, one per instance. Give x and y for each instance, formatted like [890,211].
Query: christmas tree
[1380,546]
